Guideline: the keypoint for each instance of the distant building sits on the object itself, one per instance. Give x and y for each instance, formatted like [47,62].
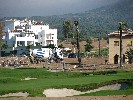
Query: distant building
[114,45]
[27,32]
[22,33]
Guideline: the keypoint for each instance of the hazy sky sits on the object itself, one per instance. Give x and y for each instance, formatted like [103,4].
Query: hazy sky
[48,7]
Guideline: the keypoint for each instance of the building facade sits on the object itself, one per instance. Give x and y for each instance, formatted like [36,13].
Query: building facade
[114,45]
[27,32]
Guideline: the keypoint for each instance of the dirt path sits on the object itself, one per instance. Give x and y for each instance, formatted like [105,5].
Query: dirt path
[122,97]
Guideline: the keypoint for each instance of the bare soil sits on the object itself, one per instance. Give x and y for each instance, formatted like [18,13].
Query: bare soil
[121,97]
[95,44]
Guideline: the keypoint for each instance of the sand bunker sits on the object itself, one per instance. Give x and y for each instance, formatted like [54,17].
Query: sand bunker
[19,94]
[70,92]
[28,78]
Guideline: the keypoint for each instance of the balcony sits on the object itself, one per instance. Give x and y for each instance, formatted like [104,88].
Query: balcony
[25,38]
[49,38]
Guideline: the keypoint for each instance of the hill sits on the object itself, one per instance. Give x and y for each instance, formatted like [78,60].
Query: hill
[103,20]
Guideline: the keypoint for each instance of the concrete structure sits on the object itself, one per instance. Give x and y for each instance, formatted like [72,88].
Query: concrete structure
[114,45]
[27,32]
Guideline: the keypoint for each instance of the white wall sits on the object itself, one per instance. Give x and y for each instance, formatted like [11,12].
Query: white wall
[11,38]
[45,35]
[10,24]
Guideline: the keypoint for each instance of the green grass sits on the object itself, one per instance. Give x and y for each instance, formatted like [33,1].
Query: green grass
[10,80]
[110,92]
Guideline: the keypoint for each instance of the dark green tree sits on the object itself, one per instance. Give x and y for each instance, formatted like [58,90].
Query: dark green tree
[1,32]
[28,46]
[88,41]
[4,46]
[88,46]
[52,46]
[68,29]
[61,46]
[129,55]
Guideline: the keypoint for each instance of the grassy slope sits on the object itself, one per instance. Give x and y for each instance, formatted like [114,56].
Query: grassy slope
[10,80]
[110,92]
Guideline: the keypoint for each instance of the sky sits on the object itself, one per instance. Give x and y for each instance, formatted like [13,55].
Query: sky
[23,8]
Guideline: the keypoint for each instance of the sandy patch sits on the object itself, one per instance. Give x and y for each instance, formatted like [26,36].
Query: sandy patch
[61,92]
[19,94]
[28,78]
[71,92]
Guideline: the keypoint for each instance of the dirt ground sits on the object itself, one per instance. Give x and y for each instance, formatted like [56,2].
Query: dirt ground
[88,64]
[71,64]
[122,97]
[95,44]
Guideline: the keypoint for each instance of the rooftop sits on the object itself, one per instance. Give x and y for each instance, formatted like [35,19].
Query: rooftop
[125,32]
[24,31]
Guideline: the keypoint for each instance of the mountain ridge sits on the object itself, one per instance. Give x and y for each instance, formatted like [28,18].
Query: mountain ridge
[103,20]
[100,20]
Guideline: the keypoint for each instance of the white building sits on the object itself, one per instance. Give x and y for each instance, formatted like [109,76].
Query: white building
[27,32]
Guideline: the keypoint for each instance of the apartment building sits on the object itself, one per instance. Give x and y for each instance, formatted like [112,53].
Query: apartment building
[27,32]
[19,34]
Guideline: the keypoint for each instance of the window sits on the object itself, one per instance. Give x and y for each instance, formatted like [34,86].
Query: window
[129,43]
[6,34]
[13,43]
[36,36]
[28,27]
[116,43]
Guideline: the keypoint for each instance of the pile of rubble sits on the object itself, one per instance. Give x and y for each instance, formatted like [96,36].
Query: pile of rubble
[13,61]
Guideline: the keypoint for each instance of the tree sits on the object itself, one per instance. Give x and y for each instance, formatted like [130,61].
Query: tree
[68,29]
[1,31]
[73,42]
[52,46]
[61,46]
[129,55]
[28,46]
[37,44]
[88,41]
[88,46]
[4,46]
